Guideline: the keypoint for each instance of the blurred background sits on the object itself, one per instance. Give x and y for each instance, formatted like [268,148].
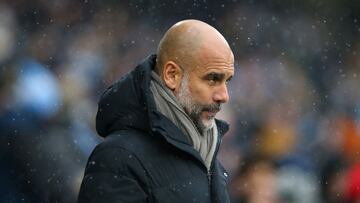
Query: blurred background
[295,98]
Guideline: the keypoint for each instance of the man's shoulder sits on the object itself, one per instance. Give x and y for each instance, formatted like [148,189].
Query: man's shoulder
[133,141]
[121,153]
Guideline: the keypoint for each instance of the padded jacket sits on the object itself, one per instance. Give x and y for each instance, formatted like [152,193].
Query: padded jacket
[144,156]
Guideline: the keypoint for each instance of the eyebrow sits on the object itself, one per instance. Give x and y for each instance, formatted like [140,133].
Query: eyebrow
[217,76]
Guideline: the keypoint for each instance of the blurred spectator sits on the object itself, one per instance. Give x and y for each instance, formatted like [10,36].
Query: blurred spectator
[36,90]
[352,185]
[333,180]
[255,182]
[295,185]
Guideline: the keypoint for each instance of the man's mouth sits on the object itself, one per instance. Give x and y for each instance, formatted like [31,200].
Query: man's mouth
[213,108]
[211,113]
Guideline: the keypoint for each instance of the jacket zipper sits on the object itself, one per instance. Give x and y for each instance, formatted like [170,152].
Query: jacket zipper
[212,162]
[209,177]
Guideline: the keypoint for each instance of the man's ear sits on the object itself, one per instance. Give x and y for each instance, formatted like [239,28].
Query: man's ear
[172,74]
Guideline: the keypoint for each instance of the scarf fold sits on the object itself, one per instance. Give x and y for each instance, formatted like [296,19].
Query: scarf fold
[166,103]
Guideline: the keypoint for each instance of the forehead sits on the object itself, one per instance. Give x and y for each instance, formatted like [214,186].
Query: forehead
[215,60]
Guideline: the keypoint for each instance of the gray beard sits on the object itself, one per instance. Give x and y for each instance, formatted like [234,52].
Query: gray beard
[192,108]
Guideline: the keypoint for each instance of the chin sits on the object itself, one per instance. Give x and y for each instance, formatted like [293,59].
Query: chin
[208,123]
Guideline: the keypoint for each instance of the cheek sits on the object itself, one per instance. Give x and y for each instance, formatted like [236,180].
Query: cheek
[200,92]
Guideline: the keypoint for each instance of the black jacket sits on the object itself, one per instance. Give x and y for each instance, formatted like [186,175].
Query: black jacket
[145,157]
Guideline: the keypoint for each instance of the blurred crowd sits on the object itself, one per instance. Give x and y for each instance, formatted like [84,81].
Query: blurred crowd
[295,99]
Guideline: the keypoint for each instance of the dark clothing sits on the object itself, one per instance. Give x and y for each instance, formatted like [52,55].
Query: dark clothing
[145,157]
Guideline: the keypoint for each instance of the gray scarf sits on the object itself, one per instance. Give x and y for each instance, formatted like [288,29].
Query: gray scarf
[166,103]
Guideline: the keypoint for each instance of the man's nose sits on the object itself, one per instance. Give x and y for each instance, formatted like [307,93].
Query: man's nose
[221,94]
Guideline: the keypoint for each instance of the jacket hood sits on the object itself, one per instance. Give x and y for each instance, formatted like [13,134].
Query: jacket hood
[123,104]
[129,104]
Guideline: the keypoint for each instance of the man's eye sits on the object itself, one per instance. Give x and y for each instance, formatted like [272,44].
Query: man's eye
[214,78]
[212,81]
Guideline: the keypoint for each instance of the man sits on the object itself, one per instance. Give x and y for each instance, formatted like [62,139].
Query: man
[161,135]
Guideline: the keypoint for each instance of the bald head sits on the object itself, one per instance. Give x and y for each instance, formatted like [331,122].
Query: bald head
[188,43]
[195,62]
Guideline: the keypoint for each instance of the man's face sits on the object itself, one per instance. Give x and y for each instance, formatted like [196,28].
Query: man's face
[204,88]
